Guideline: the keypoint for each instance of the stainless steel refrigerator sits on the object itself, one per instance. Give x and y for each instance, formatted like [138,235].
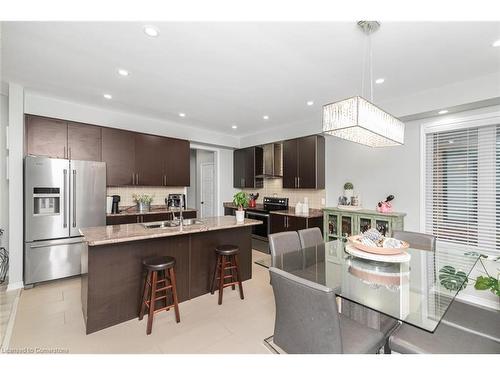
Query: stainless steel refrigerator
[61,196]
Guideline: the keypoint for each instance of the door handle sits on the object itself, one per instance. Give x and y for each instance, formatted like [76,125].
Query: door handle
[74,198]
[65,203]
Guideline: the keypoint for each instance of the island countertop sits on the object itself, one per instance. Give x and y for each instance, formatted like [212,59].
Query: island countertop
[111,234]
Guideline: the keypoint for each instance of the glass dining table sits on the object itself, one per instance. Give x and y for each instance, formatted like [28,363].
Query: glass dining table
[417,291]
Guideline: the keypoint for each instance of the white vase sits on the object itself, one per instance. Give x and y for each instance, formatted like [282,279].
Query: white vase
[348,193]
[240,216]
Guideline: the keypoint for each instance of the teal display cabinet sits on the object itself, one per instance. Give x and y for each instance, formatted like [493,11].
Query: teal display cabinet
[341,223]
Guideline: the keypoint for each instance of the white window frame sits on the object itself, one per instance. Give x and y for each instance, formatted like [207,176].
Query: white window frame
[448,123]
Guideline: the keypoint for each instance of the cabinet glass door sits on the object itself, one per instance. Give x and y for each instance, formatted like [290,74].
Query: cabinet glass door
[333,226]
[364,224]
[382,226]
[346,225]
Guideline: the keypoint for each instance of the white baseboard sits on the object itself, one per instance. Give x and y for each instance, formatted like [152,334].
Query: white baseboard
[14,286]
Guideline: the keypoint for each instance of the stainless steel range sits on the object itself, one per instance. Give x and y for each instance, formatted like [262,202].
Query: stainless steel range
[61,196]
[260,232]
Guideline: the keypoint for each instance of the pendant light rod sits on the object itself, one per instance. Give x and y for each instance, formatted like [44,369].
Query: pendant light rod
[368,28]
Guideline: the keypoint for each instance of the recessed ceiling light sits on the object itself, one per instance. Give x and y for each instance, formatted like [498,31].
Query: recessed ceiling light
[234,127]
[265,117]
[380,80]
[108,96]
[442,112]
[310,103]
[182,114]
[151,31]
[496,43]
[123,72]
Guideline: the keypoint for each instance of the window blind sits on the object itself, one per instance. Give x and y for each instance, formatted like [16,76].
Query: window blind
[462,186]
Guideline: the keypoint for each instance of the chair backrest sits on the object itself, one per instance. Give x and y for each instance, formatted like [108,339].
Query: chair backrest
[310,237]
[283,242]
[307,319]
[416,240]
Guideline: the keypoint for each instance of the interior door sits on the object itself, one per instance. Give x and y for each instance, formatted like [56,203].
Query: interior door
[207,188]
[84,142]
[290,164]
[87,195]
[118,152]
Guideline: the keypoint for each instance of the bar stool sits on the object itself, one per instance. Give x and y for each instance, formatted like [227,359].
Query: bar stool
[227,259]
[160,270]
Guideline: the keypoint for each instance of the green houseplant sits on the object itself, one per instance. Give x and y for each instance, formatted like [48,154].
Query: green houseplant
[240,200]
[143,201]
[348,190]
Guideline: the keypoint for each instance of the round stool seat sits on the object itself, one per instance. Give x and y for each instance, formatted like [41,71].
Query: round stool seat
[159,263]
[227,249]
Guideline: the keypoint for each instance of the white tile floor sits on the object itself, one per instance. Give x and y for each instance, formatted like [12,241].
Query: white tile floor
[49,317]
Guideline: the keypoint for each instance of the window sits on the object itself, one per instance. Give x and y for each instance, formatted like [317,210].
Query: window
[462,187]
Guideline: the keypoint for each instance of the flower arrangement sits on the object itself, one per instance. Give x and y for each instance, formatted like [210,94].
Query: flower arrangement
[143,198]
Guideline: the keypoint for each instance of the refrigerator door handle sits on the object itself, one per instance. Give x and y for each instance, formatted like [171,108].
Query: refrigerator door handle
[74,198]
[65,203]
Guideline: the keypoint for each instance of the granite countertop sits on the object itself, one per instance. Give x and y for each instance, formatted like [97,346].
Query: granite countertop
[134,232]
[313,212]
[154,210]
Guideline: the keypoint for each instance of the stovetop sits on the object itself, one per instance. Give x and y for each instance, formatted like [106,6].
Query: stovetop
[271,204]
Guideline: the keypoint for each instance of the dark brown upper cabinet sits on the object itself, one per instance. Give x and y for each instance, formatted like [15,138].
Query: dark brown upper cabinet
[46,137]
[118,152]
[84,142]
[247,163]
[304,163]
[177,155]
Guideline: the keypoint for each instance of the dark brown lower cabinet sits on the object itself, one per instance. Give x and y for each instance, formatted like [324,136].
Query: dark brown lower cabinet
[146,218]
[285,223]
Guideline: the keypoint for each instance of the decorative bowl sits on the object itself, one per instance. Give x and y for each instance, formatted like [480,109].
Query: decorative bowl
[354,240]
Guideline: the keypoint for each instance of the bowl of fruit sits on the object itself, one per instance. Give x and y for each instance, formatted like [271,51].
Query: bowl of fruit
[372,241]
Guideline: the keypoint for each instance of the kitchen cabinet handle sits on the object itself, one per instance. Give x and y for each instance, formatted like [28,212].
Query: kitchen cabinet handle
[65,204]
[69,153]
[298,182]
[64,152]
[137,178]
[74,198]
[133,179]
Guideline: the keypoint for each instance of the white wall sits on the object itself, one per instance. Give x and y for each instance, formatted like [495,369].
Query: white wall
[4,189]
[15,174]
[191,190]
[51,107]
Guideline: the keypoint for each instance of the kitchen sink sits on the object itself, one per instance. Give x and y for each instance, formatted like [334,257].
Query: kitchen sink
[171,223]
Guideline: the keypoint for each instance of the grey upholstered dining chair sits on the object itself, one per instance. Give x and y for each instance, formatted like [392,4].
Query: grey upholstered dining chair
[416,240]
[310,237]
[307,320]
[283,242]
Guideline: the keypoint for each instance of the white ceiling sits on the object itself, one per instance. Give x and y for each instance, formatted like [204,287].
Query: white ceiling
[221,74]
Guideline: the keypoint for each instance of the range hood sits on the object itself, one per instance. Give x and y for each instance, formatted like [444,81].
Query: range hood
[273,161]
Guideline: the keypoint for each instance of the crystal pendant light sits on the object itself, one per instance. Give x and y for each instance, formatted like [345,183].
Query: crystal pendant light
[357,119]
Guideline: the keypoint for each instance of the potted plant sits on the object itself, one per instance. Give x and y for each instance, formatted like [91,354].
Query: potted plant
[348,190]
[240,200]
[143,202]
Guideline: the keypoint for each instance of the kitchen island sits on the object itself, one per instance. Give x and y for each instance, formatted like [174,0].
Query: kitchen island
[112,276]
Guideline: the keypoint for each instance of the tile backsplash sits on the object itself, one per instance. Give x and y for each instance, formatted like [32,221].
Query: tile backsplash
[274,187]
[159,193]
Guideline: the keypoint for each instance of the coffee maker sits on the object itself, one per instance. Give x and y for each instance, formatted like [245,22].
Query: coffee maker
[114,205]
[174,201]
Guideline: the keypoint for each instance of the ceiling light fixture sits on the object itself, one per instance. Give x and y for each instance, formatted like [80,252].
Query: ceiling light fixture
[182,114]
[151,31]
[123,72]
[310,103]
[442,112]
[234,127]
[265,117]
[107,96]
[496,43]
[357,119]
[379,81]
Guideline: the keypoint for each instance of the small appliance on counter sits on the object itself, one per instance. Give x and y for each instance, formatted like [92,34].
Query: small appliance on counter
[109,204]
[252,202]
[175,201]
[114,204]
